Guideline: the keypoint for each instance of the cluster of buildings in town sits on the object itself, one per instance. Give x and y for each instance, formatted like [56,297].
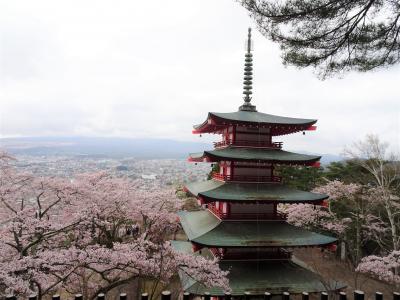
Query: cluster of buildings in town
[151,171]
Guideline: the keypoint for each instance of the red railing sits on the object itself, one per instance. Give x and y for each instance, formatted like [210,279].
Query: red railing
[257,255]
[247,178]
[246,143]
[261,254]
[246,216]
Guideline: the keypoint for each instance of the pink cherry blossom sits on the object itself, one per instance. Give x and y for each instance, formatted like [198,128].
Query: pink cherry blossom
[382,267]
[89,234]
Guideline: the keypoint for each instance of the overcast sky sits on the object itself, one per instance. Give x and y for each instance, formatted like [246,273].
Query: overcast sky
[155,68]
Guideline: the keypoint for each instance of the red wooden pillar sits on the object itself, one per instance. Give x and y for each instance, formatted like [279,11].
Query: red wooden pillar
[234,134]
[200,200]
[196,247]
[223,252]
[225,169]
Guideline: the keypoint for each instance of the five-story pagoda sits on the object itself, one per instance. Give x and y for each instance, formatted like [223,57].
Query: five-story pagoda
[240,223]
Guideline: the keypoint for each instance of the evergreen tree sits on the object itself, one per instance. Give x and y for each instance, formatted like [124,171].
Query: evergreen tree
[348,172]
[331,35]
[303,178]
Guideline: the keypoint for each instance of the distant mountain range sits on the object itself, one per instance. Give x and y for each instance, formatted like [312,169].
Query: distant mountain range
[112,147]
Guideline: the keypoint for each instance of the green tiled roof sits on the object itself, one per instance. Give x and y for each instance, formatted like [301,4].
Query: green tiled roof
[225,191]
[259,118]
[255,154]
[257,277]
[203,228]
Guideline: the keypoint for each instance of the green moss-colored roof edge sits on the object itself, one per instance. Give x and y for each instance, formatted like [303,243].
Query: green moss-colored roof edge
[258,277]
[256,118]
[205,229]
[214,190]
[254,154]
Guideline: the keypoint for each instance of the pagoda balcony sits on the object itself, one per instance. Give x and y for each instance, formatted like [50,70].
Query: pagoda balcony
[267,255]
[247,178]
[246,216]
[248,143]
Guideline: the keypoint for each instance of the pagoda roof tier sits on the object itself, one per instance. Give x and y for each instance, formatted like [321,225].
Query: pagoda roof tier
[278,125]
[205,229]
[257,276]
[254,154]
[215,190]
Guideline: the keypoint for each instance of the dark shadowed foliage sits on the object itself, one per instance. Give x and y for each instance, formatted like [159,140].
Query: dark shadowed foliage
[331,35]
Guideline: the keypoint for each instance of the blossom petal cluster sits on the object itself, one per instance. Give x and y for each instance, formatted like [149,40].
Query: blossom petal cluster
[90,233]
[382,267]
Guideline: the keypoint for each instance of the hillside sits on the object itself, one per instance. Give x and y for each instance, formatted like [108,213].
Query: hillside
[112,147]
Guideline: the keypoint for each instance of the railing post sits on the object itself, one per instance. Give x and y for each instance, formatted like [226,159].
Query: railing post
[342,296]
[358,295]
[304,296]
[32,297]
[246,295]
[207,296]
[56,297]
[378,296]
[186,296]
[144,296]
[396,296]
[165,295]
[78,297]
[122,296]
[324,296]
[285,296]
[101,296]
[267,296]
[227,296]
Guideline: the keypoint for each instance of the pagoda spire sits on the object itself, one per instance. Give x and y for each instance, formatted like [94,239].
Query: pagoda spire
[248,77]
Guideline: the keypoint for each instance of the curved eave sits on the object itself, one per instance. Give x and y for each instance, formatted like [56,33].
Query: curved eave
[254,155]
[213,190]
[278,125]
[204,229]
[257,276]
[262,244]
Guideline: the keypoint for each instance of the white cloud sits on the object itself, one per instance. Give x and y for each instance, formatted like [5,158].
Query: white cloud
[155,68]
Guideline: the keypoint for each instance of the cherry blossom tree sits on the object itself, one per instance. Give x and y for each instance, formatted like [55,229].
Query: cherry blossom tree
[348,215]
[362,215]
[371,154]
[27,231]
[382,267]
[322,216]
[89,234]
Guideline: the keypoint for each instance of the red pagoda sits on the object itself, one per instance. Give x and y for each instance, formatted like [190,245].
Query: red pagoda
[239,222]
